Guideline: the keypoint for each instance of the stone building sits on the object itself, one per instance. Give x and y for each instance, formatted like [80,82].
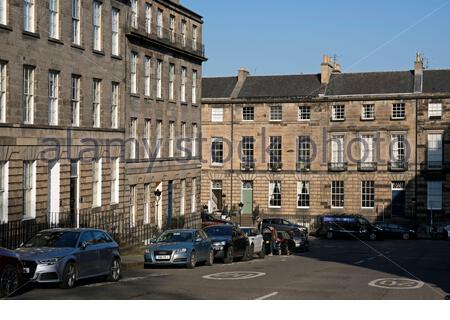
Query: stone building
[333,142]
[84,82]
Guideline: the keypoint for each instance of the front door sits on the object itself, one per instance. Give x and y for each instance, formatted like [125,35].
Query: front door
[74,192]
[247,197]
[53,191]
[159,207]
[216,196]
[398,198]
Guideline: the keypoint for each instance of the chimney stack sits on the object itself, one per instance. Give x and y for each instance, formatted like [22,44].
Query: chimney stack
[418,73]
[242,74]
[326,69]
[337,68]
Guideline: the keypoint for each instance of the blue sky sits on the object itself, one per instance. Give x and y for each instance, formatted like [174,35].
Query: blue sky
[290,36]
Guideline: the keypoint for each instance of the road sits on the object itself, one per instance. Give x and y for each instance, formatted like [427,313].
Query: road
[333,269]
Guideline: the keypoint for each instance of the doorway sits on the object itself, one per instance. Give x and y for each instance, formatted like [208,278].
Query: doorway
[247,197]
[53,191]
[398,198]
[216,196]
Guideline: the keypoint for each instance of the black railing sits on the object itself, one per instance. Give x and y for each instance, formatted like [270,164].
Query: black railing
[275,166]
[400,165]
[367,166]
[303,166]
[247,166]
[337,166]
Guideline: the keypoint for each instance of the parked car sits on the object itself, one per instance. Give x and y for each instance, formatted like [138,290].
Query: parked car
[210,220]
[353,226]
[284,243]
[447,229]
[396,231]
[66,255]
[180,247]
[10,272]
[300,239]
[229,242]
[283,224]
[256,241]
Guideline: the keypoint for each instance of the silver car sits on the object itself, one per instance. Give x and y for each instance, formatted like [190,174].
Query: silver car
[66,255]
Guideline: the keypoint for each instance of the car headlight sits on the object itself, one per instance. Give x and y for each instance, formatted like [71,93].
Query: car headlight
[49,262]
[181,250]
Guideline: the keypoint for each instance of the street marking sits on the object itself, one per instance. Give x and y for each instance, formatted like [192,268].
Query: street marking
[101,284]
[234,275]
[267,296]
[371,258]
[396,284]
[359,262]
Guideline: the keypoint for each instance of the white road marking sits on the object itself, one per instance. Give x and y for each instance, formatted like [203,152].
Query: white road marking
[234,275]
[267,296]
[359,262]
[101,284]
[396,283]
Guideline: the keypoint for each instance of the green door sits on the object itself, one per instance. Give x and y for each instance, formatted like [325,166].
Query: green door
[247,197]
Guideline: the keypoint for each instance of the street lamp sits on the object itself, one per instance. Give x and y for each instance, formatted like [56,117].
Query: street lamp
[157,194]
[241,205]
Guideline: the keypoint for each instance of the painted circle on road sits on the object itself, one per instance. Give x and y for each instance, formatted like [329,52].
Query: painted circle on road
[396,283]
[234,275]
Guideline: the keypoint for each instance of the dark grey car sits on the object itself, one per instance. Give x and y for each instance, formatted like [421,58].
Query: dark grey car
[67,255]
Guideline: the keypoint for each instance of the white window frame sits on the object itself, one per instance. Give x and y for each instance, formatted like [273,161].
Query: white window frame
[76,22]
[133,205]
[194,86]
[304,113]
[338,112]
[160,23]
[275,150]
[183,140]
[217,114]
[115,180]
[434,195]
[159,67]
[183,84]
[183,33]
[97,25]
[3,90]
[133,137]
[182,197]
[276,113]
[303,194]
[398,111]
[147,137]
[368,111]
[115,105]
[194,36]
[148,18]
[29,189]
[434,110]
[194,139]
[53,97]
[194,195]
[217,151]
[28,94]
[53,19]
[398,142]
[4,12]
[96,102]
[248,113]
[75,100]
[172,30]
[367,148]
[159,139]
[4,186]
[171,81]
[134,14]
[147,76]
[271,198]
[115,32]
[29,15]
[434,150]
[171,138]
[337,148]
[97,183]
[337,194]
[368,194]
[133,72]
[304,150]
[147,203]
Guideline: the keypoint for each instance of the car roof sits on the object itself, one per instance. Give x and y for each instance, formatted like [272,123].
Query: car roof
[71,230]
[182,230]
[223,226]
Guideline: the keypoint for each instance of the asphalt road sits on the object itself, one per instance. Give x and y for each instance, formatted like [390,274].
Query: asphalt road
[333,269]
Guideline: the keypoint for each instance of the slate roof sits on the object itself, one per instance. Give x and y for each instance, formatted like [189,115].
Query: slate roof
[435,81]
[218,87]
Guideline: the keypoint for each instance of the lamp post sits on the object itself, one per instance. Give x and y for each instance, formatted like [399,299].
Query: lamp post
[157,194]
[241,205]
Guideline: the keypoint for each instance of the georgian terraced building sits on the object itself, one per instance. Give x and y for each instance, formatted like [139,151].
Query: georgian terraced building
[305,145]
[95,97]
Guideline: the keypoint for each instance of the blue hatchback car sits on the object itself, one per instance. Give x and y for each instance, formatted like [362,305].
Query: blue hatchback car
[66,255]
[180,247]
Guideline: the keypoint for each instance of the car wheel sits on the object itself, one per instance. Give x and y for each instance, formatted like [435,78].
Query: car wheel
[69,276]
[373,237]
[192,261]
[246,255]
[262,253]
[405,236]
[229,255]
[9,281]
[114,273]
[210,260]
[330,235]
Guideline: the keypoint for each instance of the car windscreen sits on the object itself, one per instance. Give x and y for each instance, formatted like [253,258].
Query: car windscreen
[249,232]
[218,232]
[61,239]
[172,236]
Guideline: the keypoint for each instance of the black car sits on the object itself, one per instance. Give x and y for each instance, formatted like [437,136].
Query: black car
[396,231]
[282,224]
[350,226]
[229,242]
[10,272]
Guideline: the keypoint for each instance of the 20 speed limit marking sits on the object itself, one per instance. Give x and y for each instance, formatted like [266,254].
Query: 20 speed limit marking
[234,275]
[396,284]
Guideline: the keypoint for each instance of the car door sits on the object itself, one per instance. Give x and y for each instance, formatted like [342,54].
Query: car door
[237,245]
[103,244]
[87,256]
[200,245]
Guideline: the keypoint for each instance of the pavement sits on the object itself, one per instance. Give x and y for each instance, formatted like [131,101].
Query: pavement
[332,269]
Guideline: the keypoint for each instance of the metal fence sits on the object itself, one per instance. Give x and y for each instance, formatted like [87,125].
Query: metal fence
[126,231]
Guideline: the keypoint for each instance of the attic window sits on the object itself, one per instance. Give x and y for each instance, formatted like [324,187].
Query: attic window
[276,113]
[338,112]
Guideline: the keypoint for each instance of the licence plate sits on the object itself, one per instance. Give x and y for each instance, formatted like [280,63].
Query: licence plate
[267,241]
[162,257]
[26,270]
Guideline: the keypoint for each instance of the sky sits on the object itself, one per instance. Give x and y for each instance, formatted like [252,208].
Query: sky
[271,37]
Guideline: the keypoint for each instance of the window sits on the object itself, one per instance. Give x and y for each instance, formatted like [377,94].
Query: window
[159,139]
[248,113]
[276,113]
[29,8]
[29,189]
[367,194]
[171,81]
[194,195]
[115,49]
[133,206]
[338,113]
[434,192]
[398,148]
[337,194]
[304,113]
[159,79]
[368,112]
[367,149]
[96,102]
[147,76]
[115,180]
[194,87]
[133,71]
[398,111]
[147,137]
[53,98]
[159,23]
[115,102]
[134,14]
[172,28]
[275,194]
[194,139]
[216,114]
[248,145]
[97,25]
[194,37]
[97,183]
[434,151]
[28,95]
[275,148]
[303,194]
[133,138]
[183,32]
[3,12]
[217,151]
[183,84]
[171,138]
[337,149]
[183,139]
[147,201]
[304,152]
[4,177]
[182,197]
[53,19]
[75,100]
[76,21]
[2,91]
[148,18]
[435,110]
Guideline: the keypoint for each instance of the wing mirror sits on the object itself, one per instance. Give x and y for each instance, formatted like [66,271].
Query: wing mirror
[198,240]
[84,245]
